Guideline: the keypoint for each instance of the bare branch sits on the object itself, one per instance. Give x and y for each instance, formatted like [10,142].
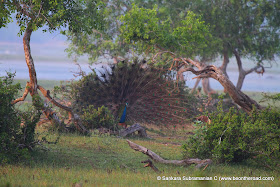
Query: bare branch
[48,20]
[162,52]
[74,117]
[151,165]
[46,93]
[261,71]
[26,91]
[192,62]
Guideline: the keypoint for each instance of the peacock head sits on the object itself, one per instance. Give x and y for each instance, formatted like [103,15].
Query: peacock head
[126,103]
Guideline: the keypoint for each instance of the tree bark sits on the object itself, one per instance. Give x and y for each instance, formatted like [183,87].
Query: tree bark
[151,165]
[242,72]
[244,101]
[136,127]
[29,61]
[225,63]
[205,82]
[157,158]
[195,85]
[32,88]
[206,87]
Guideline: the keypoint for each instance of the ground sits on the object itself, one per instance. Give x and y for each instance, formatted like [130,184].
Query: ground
[103,160]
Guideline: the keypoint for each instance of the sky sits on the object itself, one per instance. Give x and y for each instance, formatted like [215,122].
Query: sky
[9,34]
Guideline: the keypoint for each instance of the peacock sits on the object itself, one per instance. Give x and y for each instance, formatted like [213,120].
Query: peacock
[152,94]
[122,120]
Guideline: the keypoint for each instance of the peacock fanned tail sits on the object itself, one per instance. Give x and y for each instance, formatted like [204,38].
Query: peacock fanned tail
[153,97]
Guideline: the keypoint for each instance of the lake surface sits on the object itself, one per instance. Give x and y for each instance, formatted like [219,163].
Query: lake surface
[269,82]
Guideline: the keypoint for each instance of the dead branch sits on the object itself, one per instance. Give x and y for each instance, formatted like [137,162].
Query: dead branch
[134,128]
[26,91]
[151,165]
[74,117]
[80,72]
[46,93]
[259,69]
[162,52]
[200,163]
[197,64]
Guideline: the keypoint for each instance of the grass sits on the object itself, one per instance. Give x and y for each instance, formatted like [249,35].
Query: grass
[101,160]
[258,96]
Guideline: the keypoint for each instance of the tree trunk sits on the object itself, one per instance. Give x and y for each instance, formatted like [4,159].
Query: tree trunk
[241,76]
[30,62]
[205,82]
[32,88]
[223,67]
[242,72]
[206,87]
[244,101]
[195,85]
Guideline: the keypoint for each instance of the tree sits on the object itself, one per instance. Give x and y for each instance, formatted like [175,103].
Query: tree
[190,34]
[171,42]
[30,16]
[244,29]
[101,42]
[187,36]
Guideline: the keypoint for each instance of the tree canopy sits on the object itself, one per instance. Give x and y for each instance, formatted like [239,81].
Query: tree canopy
[74,15]
[144,26]
[77,16]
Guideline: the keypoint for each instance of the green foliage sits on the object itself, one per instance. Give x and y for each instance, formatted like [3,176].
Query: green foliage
[15,139]
[135,29]
[274,98]
[245,26]
[144,26]
[103,39]
[78,16]
[140,24]
[235,136]
[9,121]
[96,118]
[30,117]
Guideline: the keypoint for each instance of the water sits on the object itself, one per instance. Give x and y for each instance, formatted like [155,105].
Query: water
[269,82]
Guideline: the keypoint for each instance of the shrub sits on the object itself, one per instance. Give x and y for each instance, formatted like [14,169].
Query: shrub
[14,139]
[235,136]
[96,118]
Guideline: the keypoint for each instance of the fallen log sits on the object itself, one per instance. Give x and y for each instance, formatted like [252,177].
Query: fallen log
[199,163]
[134,128]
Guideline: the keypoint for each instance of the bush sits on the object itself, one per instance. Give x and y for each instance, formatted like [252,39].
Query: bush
[15,140]
[235,136]
[96,118]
